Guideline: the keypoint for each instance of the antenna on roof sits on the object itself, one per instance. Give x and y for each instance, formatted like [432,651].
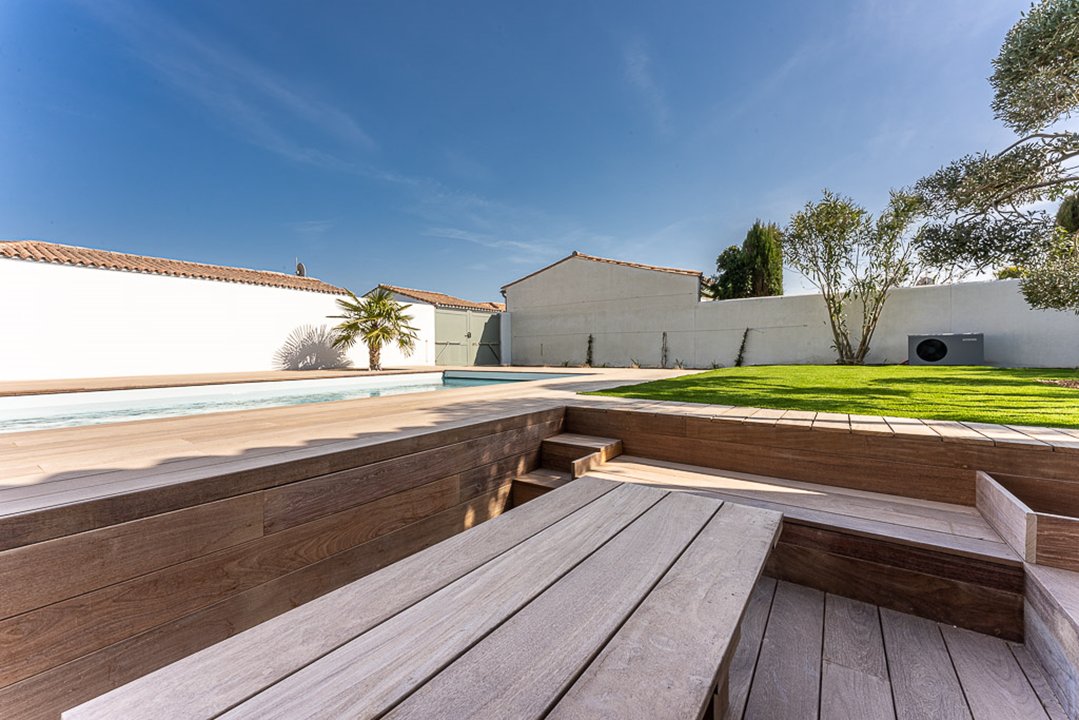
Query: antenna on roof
[301,271]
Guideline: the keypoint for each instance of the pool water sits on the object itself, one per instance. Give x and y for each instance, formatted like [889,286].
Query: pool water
[38,412]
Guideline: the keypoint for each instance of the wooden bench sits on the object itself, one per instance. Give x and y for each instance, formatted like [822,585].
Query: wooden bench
[599,599]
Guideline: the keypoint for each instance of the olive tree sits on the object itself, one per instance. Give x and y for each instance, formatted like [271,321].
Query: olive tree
[854,261]
[988,209]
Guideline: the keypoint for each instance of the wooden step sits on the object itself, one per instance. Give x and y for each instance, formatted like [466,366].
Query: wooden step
[1052,629]
[577,454]
[1037,519]
[531,485]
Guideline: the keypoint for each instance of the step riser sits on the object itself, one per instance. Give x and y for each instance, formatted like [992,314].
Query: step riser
[566,457]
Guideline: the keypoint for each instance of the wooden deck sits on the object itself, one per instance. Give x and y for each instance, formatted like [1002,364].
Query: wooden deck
[805,654]
[501,622]
[879,510]
[939,560]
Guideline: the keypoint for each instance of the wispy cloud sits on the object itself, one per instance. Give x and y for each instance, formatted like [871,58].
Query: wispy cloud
[312,228]
[261,105]
[637,66]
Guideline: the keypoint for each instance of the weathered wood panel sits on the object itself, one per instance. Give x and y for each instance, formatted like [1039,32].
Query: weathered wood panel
[45,695]
[925,466]
[790,657]
[82,618]
[653,666]
[289,642]
[72,508]
[924,683]
[44,573]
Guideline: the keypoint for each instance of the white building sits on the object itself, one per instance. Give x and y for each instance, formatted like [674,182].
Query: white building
[654,316]
[68,312]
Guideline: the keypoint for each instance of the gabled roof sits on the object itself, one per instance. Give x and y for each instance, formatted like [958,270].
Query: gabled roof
[39,251]
[593,258]
[443,300]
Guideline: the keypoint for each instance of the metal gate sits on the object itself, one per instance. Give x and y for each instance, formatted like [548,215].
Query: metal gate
[464,337]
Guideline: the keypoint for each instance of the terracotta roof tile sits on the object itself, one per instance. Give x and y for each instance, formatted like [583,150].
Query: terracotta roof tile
[443,300]
[593,258]
[109,260]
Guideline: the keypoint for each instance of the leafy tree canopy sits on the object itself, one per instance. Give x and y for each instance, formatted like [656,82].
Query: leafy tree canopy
[988,209]
[854,260]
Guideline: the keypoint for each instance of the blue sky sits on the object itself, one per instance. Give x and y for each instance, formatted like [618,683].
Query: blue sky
[457,146]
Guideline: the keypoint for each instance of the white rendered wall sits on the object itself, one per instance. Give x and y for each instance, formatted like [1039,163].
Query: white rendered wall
[553,313]
[423,319]
[59,321]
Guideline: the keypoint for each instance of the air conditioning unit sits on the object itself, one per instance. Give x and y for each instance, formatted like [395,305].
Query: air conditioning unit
[946,349]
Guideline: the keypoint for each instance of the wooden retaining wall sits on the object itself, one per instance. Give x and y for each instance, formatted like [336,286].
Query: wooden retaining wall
[942,583]
[101,592]
[919,467]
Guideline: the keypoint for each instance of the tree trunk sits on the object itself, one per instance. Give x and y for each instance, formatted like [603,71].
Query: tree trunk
[374,356]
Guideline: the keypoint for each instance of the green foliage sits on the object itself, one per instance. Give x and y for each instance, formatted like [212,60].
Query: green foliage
[971,394]
[754,269]
[732,278]
[982,204]
[376,320]
[853,260]
[1036,74]
[1068,214]
[1053,283]
[763,251]
[1011,272]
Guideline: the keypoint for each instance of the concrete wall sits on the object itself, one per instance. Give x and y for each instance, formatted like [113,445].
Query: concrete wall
[59,321]
[553,313]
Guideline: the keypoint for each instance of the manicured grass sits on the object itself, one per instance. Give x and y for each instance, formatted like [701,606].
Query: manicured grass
[978,394]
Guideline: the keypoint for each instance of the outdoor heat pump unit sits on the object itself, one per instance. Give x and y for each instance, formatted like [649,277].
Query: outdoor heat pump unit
[946,349]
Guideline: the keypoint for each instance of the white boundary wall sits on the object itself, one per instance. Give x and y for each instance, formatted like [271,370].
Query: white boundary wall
[62,321]
[550,321]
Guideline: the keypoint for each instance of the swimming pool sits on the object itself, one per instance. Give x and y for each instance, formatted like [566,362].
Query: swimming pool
[38,412]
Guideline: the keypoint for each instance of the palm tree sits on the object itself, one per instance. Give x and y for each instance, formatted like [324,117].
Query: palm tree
[376,319]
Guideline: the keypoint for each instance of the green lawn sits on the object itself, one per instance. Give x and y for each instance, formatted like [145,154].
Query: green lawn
[979,394]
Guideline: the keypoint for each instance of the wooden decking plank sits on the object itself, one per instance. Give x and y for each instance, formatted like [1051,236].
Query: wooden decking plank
[911,426]
[524,666]
[922,514]
[839,422]
[996,552]
[1035,675]
[373,672]
[924,683]
[995,686]
[660,663]
[764,416]
[852,636]
[578,440]
[854,672]
[799,418]
[786,683]
[297,638]
[870,425]
[1012,519]
[952,431]
[736,413]
[1058,439]
[1004,435]
[744,662]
